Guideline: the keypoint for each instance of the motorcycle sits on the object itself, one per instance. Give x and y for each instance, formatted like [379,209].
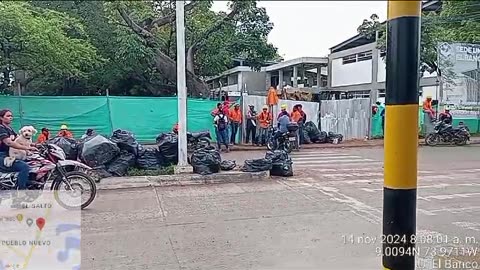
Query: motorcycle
[49,166]
[195,140]
[445,133]
[285,141]
[198,140]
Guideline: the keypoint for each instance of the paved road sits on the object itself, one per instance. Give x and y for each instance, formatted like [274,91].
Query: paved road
[303,222]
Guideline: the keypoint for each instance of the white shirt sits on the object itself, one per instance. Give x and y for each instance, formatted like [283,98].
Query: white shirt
[218,116]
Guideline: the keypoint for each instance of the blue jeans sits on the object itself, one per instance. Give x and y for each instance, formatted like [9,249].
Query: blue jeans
[19,166]
[222,138]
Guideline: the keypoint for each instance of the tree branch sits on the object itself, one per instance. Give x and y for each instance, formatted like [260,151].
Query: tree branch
[146,35]
[170,18]
[227,19]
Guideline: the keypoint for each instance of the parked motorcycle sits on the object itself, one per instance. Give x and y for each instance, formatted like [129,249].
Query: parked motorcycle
[445,133]
[285,141]
[49,166]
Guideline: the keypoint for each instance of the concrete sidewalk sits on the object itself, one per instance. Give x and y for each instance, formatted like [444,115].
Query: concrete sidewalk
[345,144]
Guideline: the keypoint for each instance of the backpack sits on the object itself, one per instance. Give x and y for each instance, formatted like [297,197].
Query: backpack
[222,124]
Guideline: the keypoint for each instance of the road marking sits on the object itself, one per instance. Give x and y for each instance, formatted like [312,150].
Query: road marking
[437,186]
[449,196]
[313,162]
[316,153]
[458,210]
[325,158]
[468,225]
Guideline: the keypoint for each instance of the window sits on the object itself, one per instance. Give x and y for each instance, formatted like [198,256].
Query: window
[364,56]
[383,53]
[349,59]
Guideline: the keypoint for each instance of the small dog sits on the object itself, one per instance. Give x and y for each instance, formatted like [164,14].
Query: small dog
[25,138]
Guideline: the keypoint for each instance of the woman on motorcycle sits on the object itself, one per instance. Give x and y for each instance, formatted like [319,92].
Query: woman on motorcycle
[7,140]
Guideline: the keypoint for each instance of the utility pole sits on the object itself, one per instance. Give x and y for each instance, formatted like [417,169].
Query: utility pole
[181,88]
[401,135]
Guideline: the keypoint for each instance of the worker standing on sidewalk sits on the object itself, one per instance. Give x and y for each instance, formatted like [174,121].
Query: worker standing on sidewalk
[235,116]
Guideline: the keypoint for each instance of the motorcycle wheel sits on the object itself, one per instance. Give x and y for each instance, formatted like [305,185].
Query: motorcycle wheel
[271,144]
[432,139]
[78,188]
[288,147]
[203,142]
[461,141]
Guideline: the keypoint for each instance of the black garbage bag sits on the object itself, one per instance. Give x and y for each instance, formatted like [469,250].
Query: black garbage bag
[97,150]
[228,165]
[149,160]
[206,161]
[334,137]
[323,137]
[69,146]
[101,172]
[257,165]
[284,168]
[313,131]
[120,165]
[306,137]
[125,140]
[168,148]
[277,156]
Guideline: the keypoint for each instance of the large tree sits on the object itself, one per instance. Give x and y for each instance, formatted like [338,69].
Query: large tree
[42,43]
[138,41]
[212,39]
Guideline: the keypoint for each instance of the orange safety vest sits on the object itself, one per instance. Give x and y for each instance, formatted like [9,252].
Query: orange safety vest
[272,97]
[427,105]
[296,116]
[236,115]
[264,118]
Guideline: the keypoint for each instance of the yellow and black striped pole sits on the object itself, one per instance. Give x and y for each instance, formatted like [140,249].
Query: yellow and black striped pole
[401,135]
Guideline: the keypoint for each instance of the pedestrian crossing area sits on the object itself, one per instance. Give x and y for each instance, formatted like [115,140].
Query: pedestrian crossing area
[329,159]
[448,196]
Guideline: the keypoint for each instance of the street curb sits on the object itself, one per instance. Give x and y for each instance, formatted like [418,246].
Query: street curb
[116,183]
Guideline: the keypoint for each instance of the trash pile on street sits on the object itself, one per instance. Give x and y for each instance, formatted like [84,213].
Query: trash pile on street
[313,135]
[277,162]
[114,156]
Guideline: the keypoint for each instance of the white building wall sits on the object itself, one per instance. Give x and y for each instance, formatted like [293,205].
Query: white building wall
[351,74]
[382,71]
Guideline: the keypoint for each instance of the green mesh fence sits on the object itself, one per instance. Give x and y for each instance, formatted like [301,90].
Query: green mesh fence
[146,117]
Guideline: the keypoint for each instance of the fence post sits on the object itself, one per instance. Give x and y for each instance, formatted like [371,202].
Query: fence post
[109,111]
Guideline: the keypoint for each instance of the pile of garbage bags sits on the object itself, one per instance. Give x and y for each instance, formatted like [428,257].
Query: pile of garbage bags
[208,161]
[114,156]
[69,146]
[312,134]
[277,162]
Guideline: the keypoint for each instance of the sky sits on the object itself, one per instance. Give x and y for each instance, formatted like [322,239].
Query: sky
[311,28]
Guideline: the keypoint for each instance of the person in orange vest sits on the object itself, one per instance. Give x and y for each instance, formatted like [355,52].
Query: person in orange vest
[64,132]
[235,116]
[296,117]
[427,107]
[44,136]
[272,98]
[265,120]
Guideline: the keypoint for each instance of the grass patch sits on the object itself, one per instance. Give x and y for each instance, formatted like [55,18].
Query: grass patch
[139,172]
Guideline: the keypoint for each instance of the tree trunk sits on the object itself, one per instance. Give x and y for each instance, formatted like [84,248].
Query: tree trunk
[168,68]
